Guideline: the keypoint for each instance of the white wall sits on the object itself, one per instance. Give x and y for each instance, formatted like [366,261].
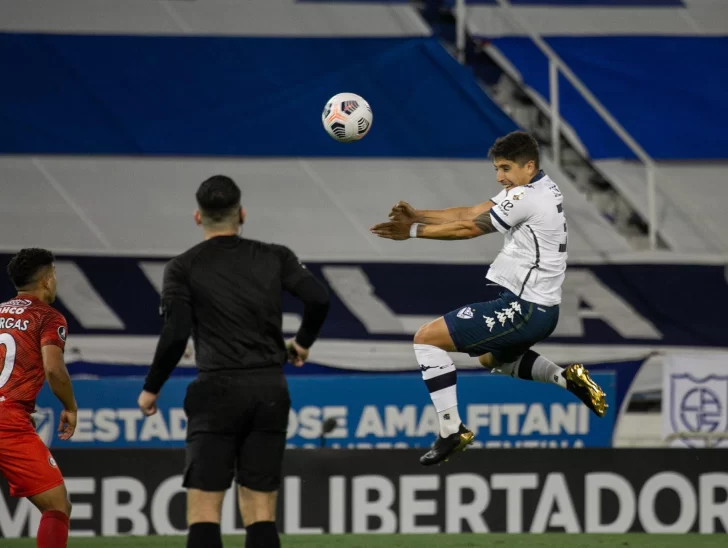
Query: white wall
[322,209]
[698,17]
[216,17]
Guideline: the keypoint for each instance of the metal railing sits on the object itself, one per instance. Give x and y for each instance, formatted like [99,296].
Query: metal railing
[556,66]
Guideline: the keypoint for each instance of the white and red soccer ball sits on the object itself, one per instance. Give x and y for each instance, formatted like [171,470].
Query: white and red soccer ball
[347,117]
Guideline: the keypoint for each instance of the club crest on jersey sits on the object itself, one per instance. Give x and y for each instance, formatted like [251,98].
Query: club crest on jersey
[23,303]
[465,313]
[519,194]
[62,333]
[52,462]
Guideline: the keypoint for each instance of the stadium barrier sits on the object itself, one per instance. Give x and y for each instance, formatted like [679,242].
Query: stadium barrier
[139,492]
[370,411]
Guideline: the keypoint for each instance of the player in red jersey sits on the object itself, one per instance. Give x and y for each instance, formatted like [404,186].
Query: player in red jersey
[32,340]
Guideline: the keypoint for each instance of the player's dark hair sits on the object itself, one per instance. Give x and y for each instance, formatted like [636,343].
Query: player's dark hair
[24,267]
[517,146]
[218,198]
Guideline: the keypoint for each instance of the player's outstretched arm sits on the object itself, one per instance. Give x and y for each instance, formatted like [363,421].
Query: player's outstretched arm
[60,382]
[463,229]
[484,222]
[404,212]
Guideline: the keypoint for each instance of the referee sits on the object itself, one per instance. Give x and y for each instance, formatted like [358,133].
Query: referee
[226,292]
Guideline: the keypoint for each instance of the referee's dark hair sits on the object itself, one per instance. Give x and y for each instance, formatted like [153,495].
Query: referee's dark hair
[517,146]
[219,200]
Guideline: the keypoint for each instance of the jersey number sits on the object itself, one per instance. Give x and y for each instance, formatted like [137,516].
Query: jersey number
[6,340]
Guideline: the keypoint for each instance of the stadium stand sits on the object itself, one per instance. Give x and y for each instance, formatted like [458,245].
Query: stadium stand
[627,56]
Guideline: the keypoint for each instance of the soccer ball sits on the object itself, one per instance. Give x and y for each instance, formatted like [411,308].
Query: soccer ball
[347,117]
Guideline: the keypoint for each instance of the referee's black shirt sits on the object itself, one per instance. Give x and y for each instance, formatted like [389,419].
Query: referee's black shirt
[227,292]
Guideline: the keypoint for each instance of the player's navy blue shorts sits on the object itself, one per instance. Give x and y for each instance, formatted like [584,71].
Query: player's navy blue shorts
[506,327]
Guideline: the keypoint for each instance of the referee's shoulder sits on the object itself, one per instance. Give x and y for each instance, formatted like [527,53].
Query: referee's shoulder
[190,253]
[267,247]
[184,260]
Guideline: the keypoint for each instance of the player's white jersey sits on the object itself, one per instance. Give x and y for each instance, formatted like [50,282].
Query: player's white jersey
[532,263]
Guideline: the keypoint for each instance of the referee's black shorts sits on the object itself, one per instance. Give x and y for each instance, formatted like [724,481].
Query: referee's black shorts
[236,428]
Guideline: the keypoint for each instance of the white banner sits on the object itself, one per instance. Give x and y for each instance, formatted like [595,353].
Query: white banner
[695,400]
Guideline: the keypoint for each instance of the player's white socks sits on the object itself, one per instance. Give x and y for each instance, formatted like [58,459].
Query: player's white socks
[440,376]
[533,367]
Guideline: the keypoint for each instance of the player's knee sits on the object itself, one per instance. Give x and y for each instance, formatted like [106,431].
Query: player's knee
[436,334]
[55,499]
[55,505]
[61,505]
[425,334]
[421,335]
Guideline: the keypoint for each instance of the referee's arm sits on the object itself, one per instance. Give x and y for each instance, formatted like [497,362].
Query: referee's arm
[300,283]
[177,327]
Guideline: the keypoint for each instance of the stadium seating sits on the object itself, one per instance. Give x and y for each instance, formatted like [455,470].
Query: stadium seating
[630,57]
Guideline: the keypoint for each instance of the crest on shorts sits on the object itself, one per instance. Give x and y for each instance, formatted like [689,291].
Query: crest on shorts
[44,422]
[465,313]
[52,462]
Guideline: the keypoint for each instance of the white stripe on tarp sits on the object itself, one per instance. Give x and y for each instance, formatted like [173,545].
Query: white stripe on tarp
[368,355]
[82,300]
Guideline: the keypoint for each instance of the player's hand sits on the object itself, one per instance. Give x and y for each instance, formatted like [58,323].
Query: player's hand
[392,230]
[297,354]
[147,403]
[402,212]
[67,424]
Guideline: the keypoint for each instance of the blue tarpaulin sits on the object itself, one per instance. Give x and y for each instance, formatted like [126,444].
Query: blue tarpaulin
[667,92]
[231,96]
